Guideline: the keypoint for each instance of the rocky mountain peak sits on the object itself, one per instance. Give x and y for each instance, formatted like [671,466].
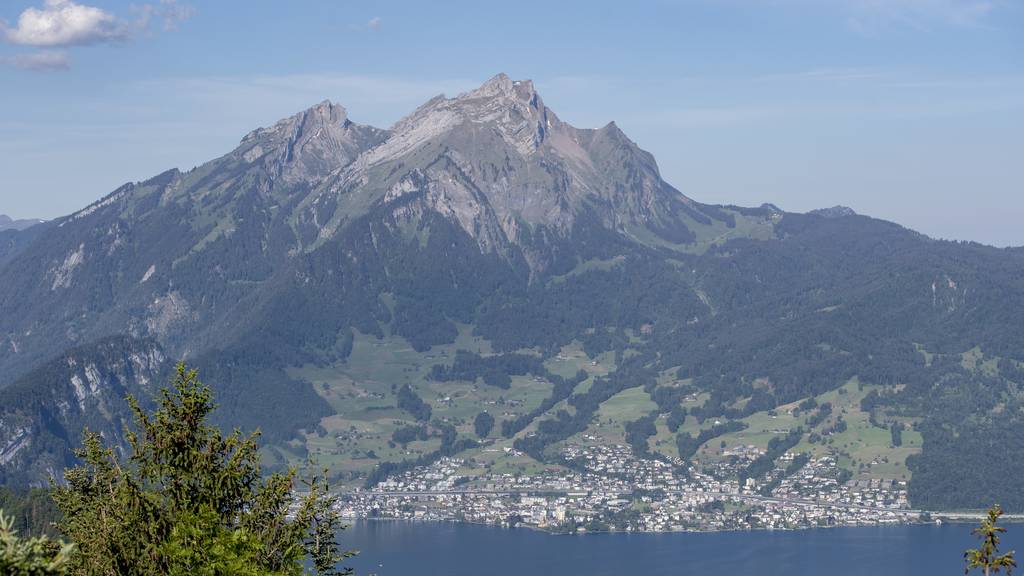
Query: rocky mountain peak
[500,163]
[512,107]
[501,86]
[309,145]
[324,113]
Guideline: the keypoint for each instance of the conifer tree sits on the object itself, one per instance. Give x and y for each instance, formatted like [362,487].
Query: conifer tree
[987,556]
[189,500]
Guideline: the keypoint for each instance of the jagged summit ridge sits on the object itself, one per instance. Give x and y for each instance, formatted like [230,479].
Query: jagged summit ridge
[326,111]
[496,159]
[308,146]
[512,107]
[515,108]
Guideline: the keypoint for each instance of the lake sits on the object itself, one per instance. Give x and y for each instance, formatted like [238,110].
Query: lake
[396,548]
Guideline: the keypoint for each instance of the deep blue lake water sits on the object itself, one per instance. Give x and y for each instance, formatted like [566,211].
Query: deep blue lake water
[393,548]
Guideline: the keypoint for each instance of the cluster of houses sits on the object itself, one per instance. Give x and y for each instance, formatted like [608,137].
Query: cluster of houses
[606,487]
[817,480]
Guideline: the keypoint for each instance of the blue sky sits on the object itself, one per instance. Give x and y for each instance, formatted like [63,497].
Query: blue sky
[909,110]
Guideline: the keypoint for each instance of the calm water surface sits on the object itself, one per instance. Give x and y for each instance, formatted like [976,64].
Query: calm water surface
[394,548]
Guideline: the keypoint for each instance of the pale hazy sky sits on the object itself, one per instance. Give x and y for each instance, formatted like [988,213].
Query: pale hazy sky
[909,110]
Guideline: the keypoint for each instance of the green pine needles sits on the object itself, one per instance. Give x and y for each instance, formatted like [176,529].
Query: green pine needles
[987,557]
[30,557]
[188,500]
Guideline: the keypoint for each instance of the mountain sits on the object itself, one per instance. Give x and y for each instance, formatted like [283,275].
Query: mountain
[337,282]
[268,226]
[46,410]
[8,223]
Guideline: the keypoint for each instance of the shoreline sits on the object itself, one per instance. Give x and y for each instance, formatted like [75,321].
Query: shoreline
[695,531]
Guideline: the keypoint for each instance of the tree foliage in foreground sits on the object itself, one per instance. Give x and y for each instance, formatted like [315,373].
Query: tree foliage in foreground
[38,556]
[987,556]
[188,500]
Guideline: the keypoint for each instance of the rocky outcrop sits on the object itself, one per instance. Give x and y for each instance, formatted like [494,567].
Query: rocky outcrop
[42,416]
[309,145]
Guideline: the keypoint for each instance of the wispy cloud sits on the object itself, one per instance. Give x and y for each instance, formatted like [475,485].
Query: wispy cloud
[369,26]
[869,15]
[830,75]
[41,61]
[65,24]
[828,95]
[168,13]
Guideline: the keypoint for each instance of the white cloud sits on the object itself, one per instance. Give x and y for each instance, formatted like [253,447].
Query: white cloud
[64,23]
[41,61]
[374,23]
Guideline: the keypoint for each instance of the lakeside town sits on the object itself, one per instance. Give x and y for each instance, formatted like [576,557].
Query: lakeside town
[607,488]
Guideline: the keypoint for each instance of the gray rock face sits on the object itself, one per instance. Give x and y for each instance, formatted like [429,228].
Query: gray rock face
[309,145]
[498,161]
[43,416]
[495,160]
